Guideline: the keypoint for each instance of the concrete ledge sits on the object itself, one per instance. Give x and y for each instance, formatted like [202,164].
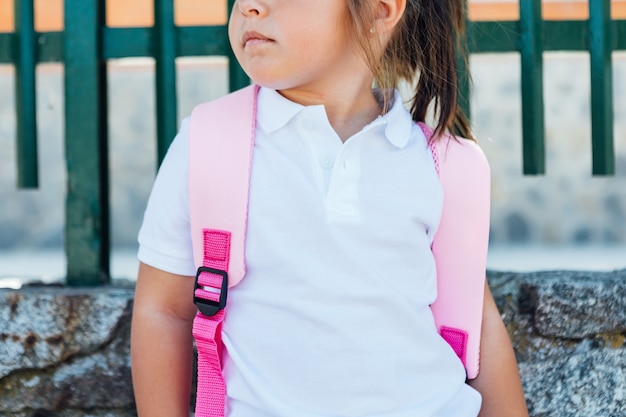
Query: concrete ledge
[65,352]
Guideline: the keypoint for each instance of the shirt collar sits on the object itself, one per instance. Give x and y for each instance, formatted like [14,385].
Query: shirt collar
[275,111]
[398,121]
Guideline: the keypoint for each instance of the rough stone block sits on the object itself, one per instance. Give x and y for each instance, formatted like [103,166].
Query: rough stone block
[65,349]
[568,332]
[577,305]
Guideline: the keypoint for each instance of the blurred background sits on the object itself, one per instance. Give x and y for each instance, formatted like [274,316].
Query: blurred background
[565,219]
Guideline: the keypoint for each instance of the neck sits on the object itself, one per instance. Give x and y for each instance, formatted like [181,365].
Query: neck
[348,109]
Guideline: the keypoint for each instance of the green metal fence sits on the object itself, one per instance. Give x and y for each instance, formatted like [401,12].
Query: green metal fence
[531,36]
[87,43]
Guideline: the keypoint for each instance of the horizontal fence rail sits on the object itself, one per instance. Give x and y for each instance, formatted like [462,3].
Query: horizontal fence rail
[86,44]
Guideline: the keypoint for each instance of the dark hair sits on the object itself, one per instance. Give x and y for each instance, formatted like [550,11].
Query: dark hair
[424,45]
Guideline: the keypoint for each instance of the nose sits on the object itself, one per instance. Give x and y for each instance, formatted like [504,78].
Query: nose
[252,8]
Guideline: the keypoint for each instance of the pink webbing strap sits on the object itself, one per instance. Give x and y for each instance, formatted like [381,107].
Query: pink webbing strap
[221,137]
[210,291]
[460,244]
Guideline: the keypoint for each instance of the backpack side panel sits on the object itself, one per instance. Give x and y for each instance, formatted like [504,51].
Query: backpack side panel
[460,245]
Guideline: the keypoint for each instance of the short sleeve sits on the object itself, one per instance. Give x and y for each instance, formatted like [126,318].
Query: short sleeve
[165,234]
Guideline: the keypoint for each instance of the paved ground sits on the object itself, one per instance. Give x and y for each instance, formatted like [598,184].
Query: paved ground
[49,266]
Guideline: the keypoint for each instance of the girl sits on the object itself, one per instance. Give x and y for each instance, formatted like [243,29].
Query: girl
[333,316]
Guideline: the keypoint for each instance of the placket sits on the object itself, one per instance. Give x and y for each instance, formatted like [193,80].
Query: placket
[323,143]
[336,164]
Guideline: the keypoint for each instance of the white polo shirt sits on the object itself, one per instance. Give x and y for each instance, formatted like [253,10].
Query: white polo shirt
[333,317]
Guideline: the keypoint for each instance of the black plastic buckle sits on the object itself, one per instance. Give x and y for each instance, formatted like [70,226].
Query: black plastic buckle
[210,308]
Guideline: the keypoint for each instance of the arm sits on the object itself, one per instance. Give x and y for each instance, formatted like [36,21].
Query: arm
[499,380]
[162,342]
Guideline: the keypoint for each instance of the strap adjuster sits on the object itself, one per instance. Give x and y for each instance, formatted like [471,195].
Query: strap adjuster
[208,307]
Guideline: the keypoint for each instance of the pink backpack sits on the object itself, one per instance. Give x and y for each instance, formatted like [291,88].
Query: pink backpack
[221,139]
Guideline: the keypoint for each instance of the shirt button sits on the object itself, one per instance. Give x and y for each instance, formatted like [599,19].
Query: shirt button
[326,162]
[308,124]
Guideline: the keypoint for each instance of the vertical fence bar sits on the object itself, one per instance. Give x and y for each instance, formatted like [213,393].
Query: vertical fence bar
[87,204]
[165,58]
[463,70]
[237,78]
[25,95]
[532,86]
[600,48]
[464,85]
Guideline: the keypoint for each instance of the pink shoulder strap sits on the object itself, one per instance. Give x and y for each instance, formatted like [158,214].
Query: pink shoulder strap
[221,138]
[460,245]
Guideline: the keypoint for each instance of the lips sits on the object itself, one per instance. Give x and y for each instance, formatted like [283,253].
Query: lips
[252,37]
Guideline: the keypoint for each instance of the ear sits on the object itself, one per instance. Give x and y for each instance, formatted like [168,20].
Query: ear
[388,14]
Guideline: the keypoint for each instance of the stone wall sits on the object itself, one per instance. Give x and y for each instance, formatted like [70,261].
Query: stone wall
[65,352]
[568,330]
[567,205]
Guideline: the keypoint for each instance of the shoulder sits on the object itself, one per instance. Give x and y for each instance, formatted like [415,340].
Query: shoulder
[222,116]
[177,152]
[462,156]
[455,155]
[230,102]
